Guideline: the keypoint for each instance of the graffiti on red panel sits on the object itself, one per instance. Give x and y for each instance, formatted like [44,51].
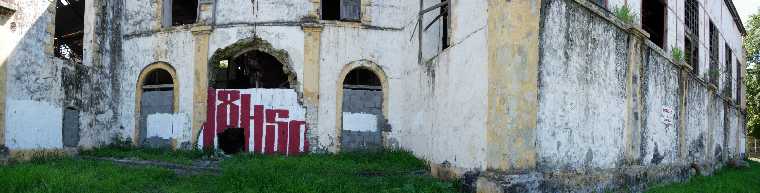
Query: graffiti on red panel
[270,130]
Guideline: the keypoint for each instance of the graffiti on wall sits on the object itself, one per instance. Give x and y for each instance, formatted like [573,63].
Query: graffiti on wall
[272,120]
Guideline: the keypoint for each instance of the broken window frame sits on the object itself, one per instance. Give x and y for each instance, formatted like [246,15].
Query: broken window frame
[170,13]
[343,10]
[69,46]
[714,72]
[691,34]
[444,9]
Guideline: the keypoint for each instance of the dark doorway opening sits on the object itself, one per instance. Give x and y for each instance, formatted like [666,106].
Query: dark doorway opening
[653,20]
[69,30]
[231,140]
[253,69]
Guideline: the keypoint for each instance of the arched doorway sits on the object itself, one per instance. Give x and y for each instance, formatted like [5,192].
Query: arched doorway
[265,79]
[363,119]
[156,102]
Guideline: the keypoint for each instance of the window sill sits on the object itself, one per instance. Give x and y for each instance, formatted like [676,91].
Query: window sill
[185,27]
[341,23]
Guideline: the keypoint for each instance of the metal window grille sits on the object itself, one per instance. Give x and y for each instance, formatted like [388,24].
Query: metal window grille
[714,50]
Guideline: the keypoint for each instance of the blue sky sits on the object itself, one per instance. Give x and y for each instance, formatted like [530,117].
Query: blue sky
[747,8]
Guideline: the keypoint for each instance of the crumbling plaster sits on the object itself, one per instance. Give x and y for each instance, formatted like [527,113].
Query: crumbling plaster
[533,91]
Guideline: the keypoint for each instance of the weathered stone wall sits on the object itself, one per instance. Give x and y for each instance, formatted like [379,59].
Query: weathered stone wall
[582,89]
[615,110]
[39,86]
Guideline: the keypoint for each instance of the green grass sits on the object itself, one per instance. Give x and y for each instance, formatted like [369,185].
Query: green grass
[625,14]
[179,157]
[725,180]
[348,172]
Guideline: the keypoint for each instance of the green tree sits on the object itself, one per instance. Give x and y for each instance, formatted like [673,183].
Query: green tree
[752,79]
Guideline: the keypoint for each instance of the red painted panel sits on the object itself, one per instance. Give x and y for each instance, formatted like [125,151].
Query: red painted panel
[227,99]
[258,128]
[294,136]
[209,129]
[245,120]
[273,129]
[269,141]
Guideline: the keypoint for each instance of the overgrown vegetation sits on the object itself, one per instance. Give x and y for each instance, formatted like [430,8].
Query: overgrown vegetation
[625,14]
[677,54]
[752,78]
[725,180]
[390,171]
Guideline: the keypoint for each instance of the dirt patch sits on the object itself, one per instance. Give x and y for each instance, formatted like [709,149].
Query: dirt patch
[196,168]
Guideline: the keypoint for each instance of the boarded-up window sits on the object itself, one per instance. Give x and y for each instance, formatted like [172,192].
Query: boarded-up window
[345,10]
[350,10]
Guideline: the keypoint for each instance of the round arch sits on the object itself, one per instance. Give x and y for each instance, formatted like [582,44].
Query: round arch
[156,66]
[247,45]
[379,73]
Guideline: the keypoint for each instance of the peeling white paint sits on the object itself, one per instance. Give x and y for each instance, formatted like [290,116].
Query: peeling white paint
[360,122]
[33,125]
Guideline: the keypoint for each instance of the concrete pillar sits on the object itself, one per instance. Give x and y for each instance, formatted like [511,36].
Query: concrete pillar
[683,93]
[632,130]
[513,30]
[200,85]
[312,44]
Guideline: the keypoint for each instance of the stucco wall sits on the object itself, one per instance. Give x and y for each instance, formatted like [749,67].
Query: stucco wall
[661,104]
[582,89]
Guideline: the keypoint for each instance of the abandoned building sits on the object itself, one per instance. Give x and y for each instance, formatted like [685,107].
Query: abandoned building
[515,96]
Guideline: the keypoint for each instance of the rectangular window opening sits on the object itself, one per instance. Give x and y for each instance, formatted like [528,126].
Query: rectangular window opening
[344,10]
[653,20]
[691,54]
[714,73]
[691,35]
[69,30]
[738,82]
[182,12]
[729,72]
